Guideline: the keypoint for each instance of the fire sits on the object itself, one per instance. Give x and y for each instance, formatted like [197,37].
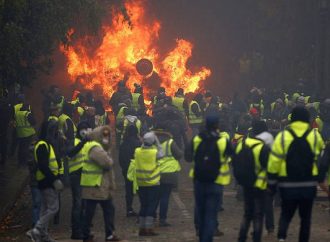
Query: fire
[126,40]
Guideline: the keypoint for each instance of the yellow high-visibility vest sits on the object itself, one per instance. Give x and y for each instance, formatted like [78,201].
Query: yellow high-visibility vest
[147,166]
[92,173]
[261,181]
[277,157]
[135,101]
[193,119]
[168,164]
[62,123]
[53,165]
[224,172]
[76,162]
[23,126]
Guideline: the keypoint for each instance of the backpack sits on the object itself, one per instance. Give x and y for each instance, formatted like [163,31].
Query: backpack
[299,158]
[244,165]
[207,161]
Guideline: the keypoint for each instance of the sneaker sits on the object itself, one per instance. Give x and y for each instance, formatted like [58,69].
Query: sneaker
[77,237]
[164,224]
[218,233]
[47,238]
[281,240]
[112,238]
[34,235]
[131,213]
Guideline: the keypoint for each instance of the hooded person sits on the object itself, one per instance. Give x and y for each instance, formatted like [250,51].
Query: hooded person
[130,142]
[47,176]
[97,181]
[209,153]
[130,119]
[292,167]
[147,170]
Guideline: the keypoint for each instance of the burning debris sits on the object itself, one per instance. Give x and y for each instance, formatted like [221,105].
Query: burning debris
[127,40]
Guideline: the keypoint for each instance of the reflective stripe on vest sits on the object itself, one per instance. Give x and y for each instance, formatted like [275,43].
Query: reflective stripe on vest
[277,158]
[147,167]
[168,163]
[261,181]
[76,162]
[224,173]
[52,162]
[193,119]
[23,126]
[92,173]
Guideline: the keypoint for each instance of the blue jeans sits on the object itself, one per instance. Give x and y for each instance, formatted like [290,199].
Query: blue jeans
[164,198]
[36,204]
[207,198]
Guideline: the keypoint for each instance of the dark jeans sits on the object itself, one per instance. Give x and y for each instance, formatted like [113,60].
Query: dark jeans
[108,216]
[148,200]
[269,211]
[23,149]
[254,203]
[207,197]
[128,192]
[289,207]
[36,204]
[76,210]
[164,198]
[221,198]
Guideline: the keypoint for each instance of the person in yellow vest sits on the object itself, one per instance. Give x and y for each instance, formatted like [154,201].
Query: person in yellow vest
[195,116]
[169,172]
[292,166]
[97,182]
[47,176]
[129,120]
[209,153]
[25,131]
[147,170]
[120,115]
[250,169]
[131,141]
[101,115]
[138,100]
[66,125]
[180,102]
[77,156]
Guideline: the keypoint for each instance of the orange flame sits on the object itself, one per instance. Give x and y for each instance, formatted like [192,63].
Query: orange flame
[129,38]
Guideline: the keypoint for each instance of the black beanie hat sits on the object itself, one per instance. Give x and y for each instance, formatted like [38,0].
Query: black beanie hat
[300,113]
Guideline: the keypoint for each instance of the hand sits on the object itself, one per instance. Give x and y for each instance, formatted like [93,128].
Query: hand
[58,185]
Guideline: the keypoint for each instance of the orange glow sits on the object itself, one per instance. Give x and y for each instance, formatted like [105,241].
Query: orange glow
[127,39]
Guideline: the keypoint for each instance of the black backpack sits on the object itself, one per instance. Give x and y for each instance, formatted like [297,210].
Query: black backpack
[207,161]
[299,158]
[244,165]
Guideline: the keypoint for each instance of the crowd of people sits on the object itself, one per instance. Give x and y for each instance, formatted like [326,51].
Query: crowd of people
[73,148]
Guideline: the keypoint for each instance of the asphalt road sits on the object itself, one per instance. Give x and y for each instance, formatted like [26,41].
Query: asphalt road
[180,216]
